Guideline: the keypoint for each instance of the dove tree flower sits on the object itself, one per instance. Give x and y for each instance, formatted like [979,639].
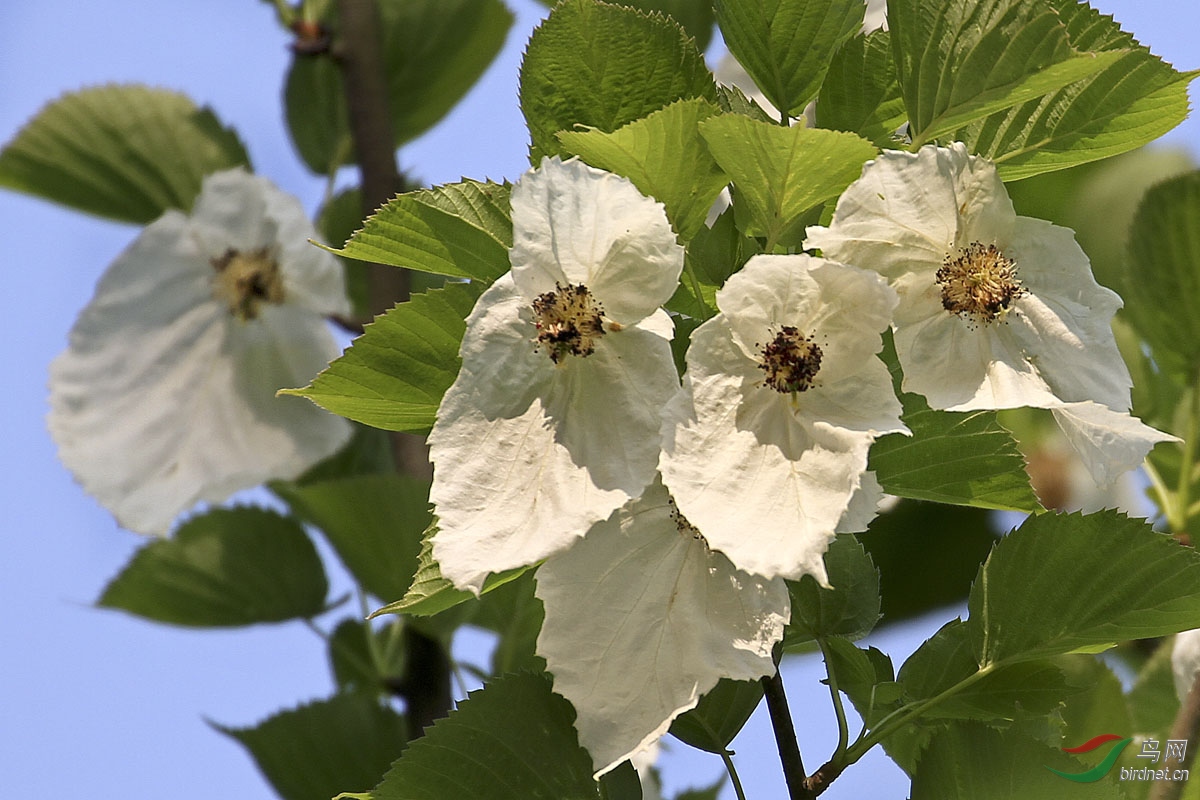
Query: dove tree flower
[766,442]
[642,618]
[165,395]
[996,310]
[552,423]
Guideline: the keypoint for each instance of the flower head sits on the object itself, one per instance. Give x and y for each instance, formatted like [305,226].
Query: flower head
[996,310]
[767,441]
[165,395]
[552,423]
[642,618]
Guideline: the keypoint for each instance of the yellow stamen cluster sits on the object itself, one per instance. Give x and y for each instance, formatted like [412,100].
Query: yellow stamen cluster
[569,320]
[980,284]
[791,361]
[244,281]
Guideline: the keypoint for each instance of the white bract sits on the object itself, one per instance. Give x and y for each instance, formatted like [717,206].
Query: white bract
[552,423]
[996,310]
[1185,661]
[642,618]
[766,442]
[165,395]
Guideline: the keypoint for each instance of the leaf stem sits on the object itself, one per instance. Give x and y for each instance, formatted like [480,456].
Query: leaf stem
[727,757]
[838,707]
[785,736]
[1187,463]
[691,273]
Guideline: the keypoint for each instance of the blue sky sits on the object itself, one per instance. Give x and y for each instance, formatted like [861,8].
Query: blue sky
[101,705]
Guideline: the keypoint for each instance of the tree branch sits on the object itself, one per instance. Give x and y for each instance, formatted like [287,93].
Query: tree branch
[1185,726]
[785,736]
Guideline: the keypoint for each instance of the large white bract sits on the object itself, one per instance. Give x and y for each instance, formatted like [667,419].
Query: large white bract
[165,395]
[552,423]
[996,310]
[642,618]
[766,442]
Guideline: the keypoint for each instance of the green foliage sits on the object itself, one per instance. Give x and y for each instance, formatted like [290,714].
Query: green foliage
[1133,98]
[621,783]
[861,93]
[850,609]
[224,568]
[695,16]
[963,61]
[126,152]
[603,66]
[435,50]
[1164,272]
[781,175]
[365,659]
[786,45]
[719,716]
[395,374]
[374,522]
[665,158]
[462,230]
[711,257]
[314,751]
[514,612]
[511,740]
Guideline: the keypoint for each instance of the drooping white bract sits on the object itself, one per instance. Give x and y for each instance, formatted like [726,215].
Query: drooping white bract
[165,395]
[767,441]
[996,310]
[552,423]
[642,618]
[1185,661]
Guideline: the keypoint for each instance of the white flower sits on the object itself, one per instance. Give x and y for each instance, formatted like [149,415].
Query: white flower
[1185,661]
[642,618]
[996,310]
[552,423]
[767,441]
[165,395]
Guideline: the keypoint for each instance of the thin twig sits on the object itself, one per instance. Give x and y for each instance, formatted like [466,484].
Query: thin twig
[785,736]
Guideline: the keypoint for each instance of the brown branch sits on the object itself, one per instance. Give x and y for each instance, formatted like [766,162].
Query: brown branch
[785,736]
[1185,727]
[359,54]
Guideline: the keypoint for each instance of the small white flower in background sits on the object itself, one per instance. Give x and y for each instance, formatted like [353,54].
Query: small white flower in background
[552,423]
[165,396]
[642,618]
[996,310]
[766,443]
[1185,661]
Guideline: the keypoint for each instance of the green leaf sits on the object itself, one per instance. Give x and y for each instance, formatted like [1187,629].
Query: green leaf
[969,759]
[1098,702]
[435,50]
[226,567]
[512,740]
[365,659]
[1066,583]
[337,221]
[1133,98]
[514,612]
[711,257]
[621,783]
[312,752]
[374,522]
[695,16]
[127,152]
[1153,702]
[1162,286]
[927,555]
[782,174]
[963,61]
[861,93]
[786,45]
[394,375]
[865,676]
[719,716]
[665,158]
[461,229]
[430,593]
[850,609]
[602,66]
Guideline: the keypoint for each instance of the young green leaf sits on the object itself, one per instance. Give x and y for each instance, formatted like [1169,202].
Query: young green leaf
[224,568]
[394,375]
[665,158]
[963,61]
[1162,286]
[511,740]
[782,174]
[1066,583]
[126,152]
[435,50]
[602,66]
[850,609]
[719,716]
[460,229]
[786,45]
[430,593]
[861,93]
[374,522]
[312,752]
[1132,99]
